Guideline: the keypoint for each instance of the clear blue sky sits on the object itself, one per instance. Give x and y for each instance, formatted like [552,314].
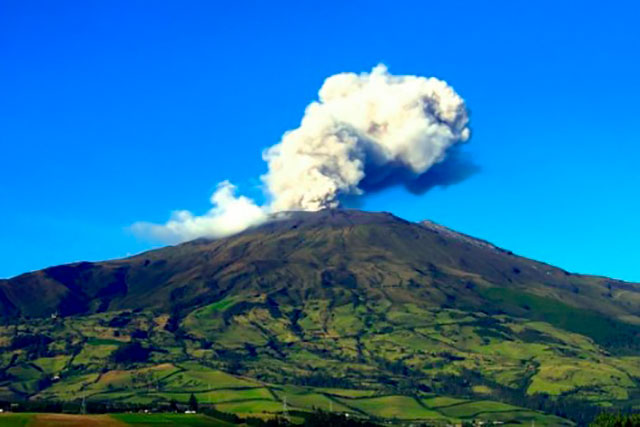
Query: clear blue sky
[112,112]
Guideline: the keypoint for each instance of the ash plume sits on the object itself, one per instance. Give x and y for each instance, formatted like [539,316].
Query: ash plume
[366,131]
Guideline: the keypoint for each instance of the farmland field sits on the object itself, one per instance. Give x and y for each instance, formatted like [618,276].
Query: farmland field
[111,420]
[400,407]
[436,342]
[382,360]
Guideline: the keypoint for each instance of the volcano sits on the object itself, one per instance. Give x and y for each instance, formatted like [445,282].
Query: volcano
[339,299]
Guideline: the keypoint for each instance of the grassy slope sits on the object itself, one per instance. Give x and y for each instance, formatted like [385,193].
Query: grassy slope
[376,350]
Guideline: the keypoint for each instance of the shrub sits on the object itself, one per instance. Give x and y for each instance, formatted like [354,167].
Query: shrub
[130,353]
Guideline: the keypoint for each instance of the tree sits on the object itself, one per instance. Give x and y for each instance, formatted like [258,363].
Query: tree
[616,420]
[130,353]
[193,403]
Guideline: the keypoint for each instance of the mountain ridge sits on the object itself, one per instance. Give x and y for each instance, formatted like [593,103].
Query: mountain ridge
[86,287]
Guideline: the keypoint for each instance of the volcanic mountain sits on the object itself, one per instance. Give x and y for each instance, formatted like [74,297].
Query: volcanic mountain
[349,298]
[334,254]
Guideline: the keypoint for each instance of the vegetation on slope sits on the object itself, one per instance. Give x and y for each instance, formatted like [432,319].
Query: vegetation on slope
[375,359]
[346,311]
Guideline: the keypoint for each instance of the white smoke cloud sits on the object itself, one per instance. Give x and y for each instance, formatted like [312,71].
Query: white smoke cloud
[369,121]
[376,118]
[230,214]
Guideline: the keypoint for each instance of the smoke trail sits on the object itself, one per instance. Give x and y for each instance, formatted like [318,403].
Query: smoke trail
[230,214]
[370,125]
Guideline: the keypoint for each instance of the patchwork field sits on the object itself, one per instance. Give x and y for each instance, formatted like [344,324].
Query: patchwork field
[379,361]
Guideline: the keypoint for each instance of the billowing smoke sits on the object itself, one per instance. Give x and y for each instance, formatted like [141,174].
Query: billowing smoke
[363,129]
[230,214]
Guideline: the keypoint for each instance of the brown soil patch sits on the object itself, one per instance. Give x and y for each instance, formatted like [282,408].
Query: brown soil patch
[68,420]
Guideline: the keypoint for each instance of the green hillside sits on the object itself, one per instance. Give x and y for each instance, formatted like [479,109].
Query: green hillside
[346,311]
